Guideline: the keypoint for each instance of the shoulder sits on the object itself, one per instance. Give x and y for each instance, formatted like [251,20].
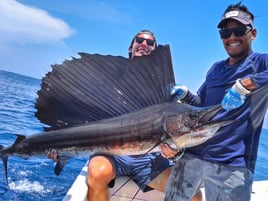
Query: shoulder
[260,60]
[215,66]
[258,56]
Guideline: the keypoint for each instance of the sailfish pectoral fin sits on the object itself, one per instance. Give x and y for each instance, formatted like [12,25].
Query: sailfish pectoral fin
[60,165]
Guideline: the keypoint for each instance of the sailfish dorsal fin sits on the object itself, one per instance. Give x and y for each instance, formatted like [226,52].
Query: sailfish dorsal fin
[95,87]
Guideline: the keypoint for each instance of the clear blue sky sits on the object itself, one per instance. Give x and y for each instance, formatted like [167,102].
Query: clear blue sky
[37,33]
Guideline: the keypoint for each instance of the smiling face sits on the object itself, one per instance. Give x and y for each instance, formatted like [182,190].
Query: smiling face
[143,44]
[237,45]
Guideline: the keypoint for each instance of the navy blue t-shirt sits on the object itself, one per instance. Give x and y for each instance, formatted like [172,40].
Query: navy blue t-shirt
[236,143]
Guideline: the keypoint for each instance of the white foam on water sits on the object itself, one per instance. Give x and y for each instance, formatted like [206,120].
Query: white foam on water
[27,186]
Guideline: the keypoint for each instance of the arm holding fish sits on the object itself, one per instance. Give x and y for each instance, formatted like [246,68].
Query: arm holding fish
[237,94]
[167,151]
[234,98]
[183,94]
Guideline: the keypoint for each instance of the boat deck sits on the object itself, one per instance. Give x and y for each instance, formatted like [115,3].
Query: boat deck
[78,190]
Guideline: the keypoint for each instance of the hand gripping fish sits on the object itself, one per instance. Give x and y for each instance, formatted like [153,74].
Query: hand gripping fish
[114,105]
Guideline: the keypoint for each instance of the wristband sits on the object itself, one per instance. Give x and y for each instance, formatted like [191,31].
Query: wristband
[240,88]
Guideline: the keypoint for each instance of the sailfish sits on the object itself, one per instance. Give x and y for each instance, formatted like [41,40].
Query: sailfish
[104,103]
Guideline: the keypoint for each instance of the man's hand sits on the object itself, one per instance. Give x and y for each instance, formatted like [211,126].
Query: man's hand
[167,151]
[180,91]
[53,154]
[235,97]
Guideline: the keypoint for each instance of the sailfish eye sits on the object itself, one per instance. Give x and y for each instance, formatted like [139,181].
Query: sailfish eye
[193,115]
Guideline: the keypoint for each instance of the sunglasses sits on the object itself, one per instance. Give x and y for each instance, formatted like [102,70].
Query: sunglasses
[140,40]
[238,32]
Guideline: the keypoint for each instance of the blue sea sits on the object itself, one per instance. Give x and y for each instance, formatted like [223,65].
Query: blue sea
[33,179]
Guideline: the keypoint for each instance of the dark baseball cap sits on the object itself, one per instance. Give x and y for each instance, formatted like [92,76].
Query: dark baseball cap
[237,15]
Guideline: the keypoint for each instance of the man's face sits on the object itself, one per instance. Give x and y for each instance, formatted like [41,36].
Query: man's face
[143,44]
[237,39]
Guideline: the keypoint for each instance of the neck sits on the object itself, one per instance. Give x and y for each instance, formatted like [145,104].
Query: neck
[236,59]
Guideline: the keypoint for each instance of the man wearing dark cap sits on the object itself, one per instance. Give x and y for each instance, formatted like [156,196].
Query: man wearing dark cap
[224,165]
[148,171]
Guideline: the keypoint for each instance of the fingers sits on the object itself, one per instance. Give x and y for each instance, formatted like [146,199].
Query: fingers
[167,151]
[53,154]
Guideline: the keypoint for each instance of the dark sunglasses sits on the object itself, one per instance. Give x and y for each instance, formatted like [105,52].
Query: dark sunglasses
[238,32]
[148,41]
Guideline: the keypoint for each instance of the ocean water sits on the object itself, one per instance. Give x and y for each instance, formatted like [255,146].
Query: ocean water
[33,179]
